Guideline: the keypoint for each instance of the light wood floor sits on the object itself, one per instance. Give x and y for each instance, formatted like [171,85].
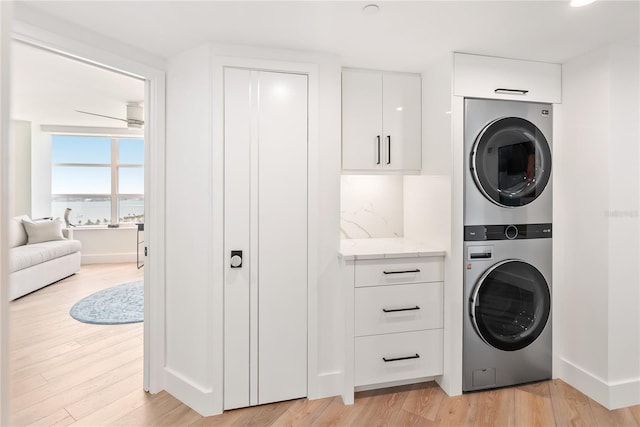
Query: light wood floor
[64,372]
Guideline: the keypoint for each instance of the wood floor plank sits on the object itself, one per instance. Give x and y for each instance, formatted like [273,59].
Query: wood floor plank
[302,412]
[495,408]
[618,417]
[58,418]
[20,386]
[151,412]
[635,410]
[114,410]
[338,414]
[424,403]
[457,411]
[570,407]
[97,400]
[533,405]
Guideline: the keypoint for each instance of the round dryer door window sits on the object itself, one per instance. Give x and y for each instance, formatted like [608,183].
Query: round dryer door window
[511,162]
[510,305]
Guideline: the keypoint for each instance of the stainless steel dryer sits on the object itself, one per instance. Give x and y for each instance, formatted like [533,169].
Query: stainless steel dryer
[507,162]
[507,294]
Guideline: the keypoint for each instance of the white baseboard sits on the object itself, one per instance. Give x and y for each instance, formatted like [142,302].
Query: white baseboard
[108,258]
[327,385]
[611,395]
[191,394]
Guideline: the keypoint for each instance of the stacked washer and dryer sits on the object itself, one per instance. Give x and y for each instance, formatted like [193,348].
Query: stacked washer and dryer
[507,243]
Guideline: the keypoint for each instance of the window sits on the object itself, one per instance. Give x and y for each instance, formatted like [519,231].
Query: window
[101,179]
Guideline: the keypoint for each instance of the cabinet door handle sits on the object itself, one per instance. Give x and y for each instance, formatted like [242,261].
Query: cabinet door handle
[388,149]
[395,359]
[378,138]
[511,91]
[417,270]
[393,310]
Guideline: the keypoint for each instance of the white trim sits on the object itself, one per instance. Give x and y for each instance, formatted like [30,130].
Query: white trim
[189,391]
[611,395]
[394,383]
[6,10]
[312,70]
[99,52]
[91,131]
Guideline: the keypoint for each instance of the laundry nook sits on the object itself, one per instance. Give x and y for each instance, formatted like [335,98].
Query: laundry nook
[333,213]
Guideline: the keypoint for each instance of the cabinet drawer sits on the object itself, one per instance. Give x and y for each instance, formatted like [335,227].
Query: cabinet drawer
[417,354]
[398,308]
[393,271]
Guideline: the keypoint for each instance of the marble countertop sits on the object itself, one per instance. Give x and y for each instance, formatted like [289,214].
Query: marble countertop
[352,249]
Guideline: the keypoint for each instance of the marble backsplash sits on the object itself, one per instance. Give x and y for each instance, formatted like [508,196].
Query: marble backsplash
[371,206]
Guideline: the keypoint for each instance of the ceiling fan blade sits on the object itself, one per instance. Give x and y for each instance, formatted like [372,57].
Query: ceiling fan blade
[102,115]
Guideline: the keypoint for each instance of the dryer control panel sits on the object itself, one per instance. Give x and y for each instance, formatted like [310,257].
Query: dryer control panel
[479,233]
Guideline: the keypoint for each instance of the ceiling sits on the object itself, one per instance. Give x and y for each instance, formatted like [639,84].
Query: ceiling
[48,88]
[402,36]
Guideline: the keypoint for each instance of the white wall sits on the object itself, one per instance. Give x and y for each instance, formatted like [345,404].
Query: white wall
[596,251]
[21,168]
[194,224]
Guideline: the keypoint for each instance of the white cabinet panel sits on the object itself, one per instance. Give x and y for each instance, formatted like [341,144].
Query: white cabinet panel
[401,119]
[362,120]
[381,121]
[395,357]
[478,76]
[388,309]
[395,271]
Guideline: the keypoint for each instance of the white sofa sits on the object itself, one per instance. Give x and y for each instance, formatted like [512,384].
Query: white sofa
[39,255]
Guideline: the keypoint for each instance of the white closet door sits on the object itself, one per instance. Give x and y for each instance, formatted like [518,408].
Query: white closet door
[237,220]
[266,218]
[282,237]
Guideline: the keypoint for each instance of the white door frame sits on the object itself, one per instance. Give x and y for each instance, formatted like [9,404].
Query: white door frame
[6,11]
[154,183]
[219,62]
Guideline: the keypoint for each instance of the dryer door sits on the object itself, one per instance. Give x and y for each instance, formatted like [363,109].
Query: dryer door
[510,305]
[511,162]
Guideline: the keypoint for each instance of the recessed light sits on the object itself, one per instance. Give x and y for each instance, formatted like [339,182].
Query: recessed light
[370,9]
[578,3]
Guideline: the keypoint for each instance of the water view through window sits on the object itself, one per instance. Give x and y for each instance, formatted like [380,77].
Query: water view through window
[101,179]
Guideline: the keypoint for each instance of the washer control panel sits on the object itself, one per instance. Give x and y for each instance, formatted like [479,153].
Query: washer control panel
[479,233]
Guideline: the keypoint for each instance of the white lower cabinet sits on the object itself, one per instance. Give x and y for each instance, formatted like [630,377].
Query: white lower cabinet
[394,322]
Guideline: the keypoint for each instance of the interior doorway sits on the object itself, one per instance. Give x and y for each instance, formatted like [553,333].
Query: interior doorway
[154,82]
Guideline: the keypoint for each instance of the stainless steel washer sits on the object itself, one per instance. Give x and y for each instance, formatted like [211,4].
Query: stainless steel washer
[507,162]
[507,295]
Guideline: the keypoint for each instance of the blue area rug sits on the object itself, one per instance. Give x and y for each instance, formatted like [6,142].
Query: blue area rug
[116,305]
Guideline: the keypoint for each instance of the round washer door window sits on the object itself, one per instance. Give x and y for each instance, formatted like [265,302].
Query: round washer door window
[510,305]
[511,162]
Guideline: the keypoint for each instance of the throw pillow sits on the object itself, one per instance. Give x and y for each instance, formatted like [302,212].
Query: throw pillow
[43,231]
[17,234]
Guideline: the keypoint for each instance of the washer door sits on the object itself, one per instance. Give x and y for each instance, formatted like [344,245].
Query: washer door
[510,305]
[511,162]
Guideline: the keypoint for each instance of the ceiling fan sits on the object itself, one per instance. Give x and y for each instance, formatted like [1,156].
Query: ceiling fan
[135,115]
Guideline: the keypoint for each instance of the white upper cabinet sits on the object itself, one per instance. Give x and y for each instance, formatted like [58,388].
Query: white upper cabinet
[499,78]
[381,121]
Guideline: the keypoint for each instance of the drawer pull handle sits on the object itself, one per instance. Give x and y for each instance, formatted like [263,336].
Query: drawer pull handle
[417,270]
[395,359]
[392,310]
[511,91]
